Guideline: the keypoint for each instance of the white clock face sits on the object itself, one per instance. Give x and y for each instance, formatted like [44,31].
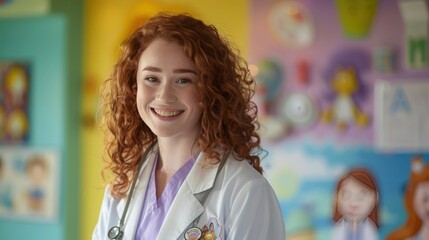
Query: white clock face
[291,23]
[300,110]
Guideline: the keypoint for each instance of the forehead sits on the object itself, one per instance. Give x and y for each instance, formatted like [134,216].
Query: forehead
[352,183]
[161,52]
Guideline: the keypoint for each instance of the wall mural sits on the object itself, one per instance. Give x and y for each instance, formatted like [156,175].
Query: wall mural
[318,116]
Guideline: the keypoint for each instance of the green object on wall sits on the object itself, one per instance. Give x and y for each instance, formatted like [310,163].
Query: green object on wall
[356,17]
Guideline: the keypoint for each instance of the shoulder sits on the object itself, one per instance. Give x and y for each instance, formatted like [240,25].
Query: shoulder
[242,171]
[239,176]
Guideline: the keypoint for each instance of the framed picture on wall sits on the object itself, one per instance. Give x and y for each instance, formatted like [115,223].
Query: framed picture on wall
[14,94]
[29,183]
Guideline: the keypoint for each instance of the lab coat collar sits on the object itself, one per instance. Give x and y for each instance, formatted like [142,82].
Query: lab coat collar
[186,206]
[202,176]
[134,210]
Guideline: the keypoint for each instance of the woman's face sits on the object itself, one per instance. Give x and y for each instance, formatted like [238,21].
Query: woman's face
[355,200]
[421,201]
[167,97]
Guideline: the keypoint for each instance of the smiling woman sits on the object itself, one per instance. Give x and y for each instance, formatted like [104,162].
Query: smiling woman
[167,96]
[182,141]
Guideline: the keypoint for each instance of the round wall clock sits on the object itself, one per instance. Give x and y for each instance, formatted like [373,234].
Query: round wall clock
[300,110]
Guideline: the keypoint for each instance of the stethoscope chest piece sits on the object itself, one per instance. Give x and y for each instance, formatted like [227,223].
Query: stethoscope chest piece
[193,233]
[115,233]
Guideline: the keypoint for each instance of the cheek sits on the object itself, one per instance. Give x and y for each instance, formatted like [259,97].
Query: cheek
[368,207]
[419,207]
[141,100]
[343,205]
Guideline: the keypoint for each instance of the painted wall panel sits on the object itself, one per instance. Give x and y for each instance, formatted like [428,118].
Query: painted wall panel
[40,41]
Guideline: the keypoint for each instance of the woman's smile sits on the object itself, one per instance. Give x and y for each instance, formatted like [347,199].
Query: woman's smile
[166,113]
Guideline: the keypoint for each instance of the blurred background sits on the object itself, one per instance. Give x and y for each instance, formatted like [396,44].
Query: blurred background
[342,84]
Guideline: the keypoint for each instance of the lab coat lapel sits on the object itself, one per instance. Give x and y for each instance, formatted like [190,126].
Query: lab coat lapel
[186,206]
[134,209]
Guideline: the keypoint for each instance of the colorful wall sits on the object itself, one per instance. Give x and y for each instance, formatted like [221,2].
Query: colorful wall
[306,155]
[74,46]
[48,39]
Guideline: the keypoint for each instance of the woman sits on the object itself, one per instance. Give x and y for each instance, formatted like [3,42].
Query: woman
[416,200]
[356,207]
[179,104]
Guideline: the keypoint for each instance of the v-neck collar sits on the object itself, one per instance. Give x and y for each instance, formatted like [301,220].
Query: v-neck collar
[171,187]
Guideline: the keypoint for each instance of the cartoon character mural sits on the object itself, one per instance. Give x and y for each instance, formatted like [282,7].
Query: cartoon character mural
[416,201]
[356,207]
[344,110]
[346,88]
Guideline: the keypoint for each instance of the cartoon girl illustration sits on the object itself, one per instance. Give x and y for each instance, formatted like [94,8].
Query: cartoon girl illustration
[37,171]
[416,201]
[356,207]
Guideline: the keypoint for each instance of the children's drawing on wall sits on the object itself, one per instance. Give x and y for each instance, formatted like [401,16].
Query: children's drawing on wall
[14,88]
[416,201]
[28,183]
[37,176]
[356,206]
[347,90]
[269,80]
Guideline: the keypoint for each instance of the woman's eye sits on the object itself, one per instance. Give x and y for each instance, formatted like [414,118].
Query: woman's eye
[151,79]
[183,81]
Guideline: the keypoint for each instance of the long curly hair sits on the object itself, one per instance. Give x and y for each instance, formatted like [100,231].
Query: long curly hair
[229,117]
[418,175]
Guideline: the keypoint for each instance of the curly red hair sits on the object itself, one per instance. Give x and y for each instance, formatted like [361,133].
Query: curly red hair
[229,117]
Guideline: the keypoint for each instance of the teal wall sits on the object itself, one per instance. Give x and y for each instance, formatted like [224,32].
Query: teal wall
[51,44]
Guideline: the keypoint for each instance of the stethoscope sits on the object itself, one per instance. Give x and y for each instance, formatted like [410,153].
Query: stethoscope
[117,232]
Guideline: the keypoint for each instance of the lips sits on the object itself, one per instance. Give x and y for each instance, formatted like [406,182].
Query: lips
[166,113]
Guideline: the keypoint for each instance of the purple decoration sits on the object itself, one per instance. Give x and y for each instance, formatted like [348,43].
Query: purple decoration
[356,58]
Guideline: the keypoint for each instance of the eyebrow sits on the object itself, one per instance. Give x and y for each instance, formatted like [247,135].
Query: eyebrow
[179,70]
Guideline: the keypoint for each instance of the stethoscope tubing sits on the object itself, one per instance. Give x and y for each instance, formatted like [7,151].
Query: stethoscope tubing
[118,230]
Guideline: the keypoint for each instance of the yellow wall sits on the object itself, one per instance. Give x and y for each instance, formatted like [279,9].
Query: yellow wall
[106,23]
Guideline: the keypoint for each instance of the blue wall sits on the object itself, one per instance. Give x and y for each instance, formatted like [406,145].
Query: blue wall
[41,41]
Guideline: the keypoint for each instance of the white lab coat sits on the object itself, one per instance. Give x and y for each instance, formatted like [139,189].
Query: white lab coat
[241,200]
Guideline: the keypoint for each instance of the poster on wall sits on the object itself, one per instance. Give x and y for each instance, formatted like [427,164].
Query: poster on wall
[29,181]
[14,89]
[401,115]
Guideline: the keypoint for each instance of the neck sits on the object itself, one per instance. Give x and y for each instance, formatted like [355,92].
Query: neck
[174,153]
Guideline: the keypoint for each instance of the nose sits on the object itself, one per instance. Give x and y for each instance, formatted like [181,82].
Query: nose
[166,92]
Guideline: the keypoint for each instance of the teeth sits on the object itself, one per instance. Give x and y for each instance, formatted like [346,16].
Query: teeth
[166,113]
